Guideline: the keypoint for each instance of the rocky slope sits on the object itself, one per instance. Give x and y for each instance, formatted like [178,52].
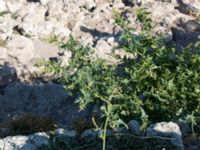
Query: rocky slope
[27,25]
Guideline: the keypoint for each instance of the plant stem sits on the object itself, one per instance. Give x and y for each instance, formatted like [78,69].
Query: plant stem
[104,134]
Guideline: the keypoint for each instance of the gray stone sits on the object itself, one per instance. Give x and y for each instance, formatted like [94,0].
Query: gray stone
[134,126]
[88,133]
[45,50]
[122,130]
[93,133]
[41,98]
[193,147]
[62,133]
[65,136]
[166,129]
[39,139]
[187,32]
[32,142]
[191,7]
[4,132]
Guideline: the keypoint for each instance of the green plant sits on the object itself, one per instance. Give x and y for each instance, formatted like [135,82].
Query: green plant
[52,39]
[14,15]
[198,17]
[159,85]
[28,35]
[3,13]
[144,18]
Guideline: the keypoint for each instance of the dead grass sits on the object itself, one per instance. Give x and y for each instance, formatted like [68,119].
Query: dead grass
[28,124]
[81,124]
[3,43]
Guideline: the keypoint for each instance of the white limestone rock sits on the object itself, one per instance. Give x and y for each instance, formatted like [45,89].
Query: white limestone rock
[3,7]
[103,49]
[62,133]
[6,26]
[44,2]
[166,129]
[31,142]
[21,48]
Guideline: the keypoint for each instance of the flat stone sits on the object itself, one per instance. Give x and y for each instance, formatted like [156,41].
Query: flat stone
[62,133]
[21,48]
[45,50]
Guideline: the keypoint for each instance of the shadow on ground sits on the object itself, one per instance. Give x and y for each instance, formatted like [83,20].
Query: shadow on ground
[31,107]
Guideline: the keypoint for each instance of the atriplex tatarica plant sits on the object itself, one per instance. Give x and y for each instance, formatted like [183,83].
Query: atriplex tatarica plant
[161,84]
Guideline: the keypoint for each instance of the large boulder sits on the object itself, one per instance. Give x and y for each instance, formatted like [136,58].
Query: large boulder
[185,33]
[191,7]
[167,129]
[48,99]
[44,99]
[33,20]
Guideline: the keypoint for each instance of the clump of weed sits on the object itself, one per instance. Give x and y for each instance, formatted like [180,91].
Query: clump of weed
[53,39]
[3,13]
[144,18]
[14,15]
[198,17]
